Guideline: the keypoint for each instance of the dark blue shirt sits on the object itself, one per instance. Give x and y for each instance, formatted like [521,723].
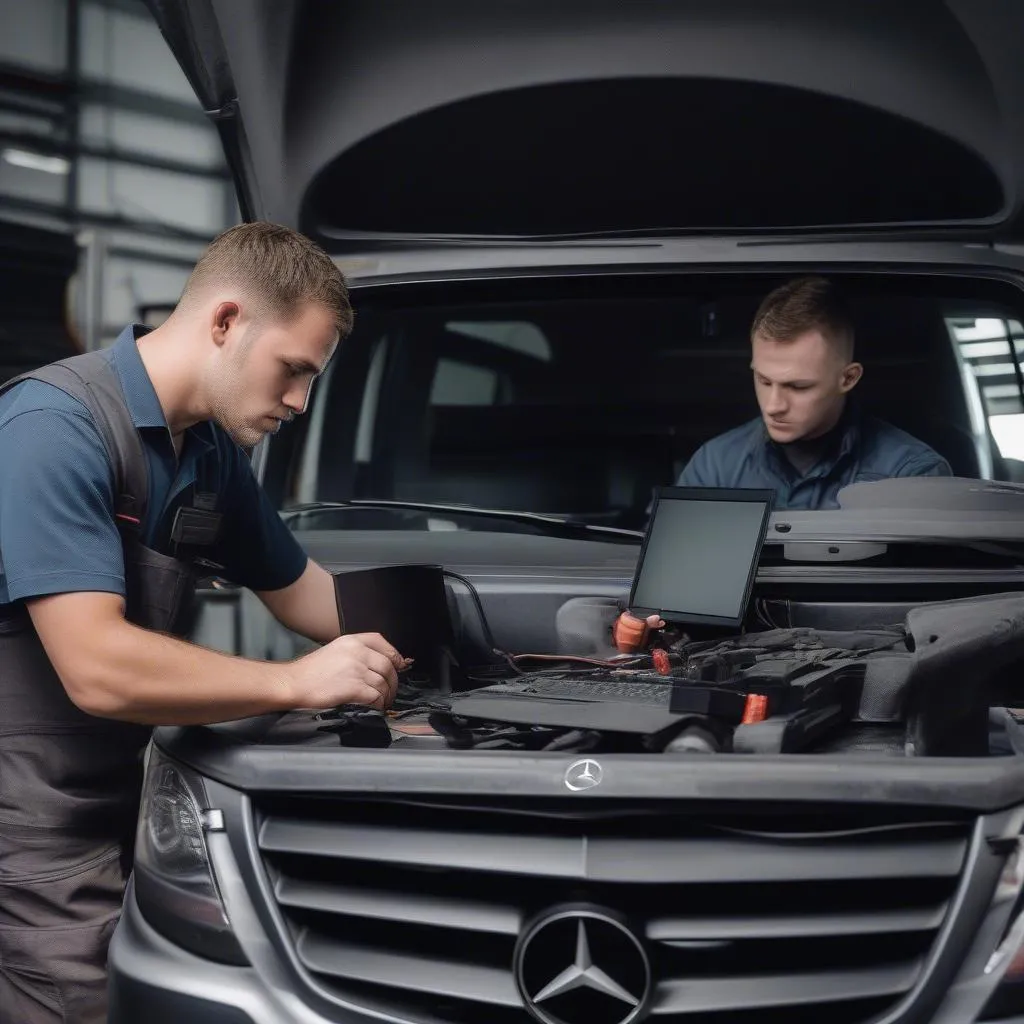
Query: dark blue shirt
[862,448]
[57,527]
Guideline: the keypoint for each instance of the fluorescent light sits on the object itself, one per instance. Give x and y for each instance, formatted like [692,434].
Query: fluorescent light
[36,161]
[980,349]
[984,329]
[1001,391]
[1009,434]
[994,370]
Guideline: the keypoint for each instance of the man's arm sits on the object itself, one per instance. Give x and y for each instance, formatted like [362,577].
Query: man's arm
[308,606]
[62,556]
[928,463]
[259,552]
[113,669]
[701,470]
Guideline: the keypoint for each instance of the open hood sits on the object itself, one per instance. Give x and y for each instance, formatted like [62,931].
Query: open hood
[360,121]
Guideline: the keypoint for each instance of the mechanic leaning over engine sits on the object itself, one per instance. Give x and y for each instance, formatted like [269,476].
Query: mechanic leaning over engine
[122,480]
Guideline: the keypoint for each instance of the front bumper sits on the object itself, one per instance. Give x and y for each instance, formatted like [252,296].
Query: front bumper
[156,982]
[153,981]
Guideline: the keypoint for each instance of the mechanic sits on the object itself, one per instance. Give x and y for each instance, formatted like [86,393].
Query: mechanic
[120,483]
[811,439]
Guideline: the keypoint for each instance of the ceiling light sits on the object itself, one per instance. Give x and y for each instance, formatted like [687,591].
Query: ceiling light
[36,161]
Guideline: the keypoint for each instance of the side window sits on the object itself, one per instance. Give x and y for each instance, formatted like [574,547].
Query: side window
[306,480]
[371,401]
[458,383]
[307,484]
[474,381]
[517,335]
[990,351]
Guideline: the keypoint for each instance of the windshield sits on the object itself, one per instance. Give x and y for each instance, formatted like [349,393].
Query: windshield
[576,398]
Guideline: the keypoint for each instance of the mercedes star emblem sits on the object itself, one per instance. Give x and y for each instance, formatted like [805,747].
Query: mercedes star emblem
[582,966]
[583,774]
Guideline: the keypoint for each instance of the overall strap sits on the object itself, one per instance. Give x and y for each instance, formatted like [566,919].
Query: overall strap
[92,380]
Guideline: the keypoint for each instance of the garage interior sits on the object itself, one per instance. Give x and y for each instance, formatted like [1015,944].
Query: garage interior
[111,177]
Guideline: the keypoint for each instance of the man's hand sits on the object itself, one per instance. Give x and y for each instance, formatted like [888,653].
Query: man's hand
[113,669]
[630,633]
[359,668]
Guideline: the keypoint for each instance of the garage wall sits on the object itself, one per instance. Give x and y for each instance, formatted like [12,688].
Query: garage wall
[101,140]
[101,134]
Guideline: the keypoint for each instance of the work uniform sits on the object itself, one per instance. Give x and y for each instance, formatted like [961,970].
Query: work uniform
[861,448]
[94,498]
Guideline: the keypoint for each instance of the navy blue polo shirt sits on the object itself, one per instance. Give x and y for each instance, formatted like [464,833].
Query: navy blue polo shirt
[864,448]
[57,527]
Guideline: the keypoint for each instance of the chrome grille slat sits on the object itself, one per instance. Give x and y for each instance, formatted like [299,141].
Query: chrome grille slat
[685,996]
[561,857]
[433,975]
[408,908]
[681,929]
[603,859]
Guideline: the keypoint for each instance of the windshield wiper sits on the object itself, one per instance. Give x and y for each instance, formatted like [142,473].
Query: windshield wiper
[550,525]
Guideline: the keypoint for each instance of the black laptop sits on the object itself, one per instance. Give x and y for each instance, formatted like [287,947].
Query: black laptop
[697,567]
[700,554]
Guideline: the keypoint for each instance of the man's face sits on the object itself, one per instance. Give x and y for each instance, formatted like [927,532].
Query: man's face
[801,385]
[264,372]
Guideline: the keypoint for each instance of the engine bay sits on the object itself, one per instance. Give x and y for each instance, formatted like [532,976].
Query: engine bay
[939,683]
[906,645]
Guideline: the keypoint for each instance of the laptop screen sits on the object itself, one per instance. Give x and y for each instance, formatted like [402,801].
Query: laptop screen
[700,554]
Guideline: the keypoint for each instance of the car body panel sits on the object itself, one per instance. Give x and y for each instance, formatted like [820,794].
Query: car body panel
[453,141]
[321,104]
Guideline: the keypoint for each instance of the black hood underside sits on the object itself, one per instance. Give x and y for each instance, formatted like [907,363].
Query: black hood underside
[359,121]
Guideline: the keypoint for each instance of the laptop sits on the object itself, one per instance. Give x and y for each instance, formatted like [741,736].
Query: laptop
[700,554]
[697,566]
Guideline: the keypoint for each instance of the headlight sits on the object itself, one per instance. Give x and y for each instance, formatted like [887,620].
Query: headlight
[174,883]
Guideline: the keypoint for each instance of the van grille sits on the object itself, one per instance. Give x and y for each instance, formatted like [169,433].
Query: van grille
[746,916]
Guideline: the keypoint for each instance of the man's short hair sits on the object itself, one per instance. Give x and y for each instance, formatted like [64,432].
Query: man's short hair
[282,269]
[802,305]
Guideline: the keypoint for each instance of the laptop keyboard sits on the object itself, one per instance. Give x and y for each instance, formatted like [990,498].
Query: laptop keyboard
[657,693]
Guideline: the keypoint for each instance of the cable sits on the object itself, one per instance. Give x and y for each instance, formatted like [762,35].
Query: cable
[512,659]
[901,639]
[484,625]
[396,715]
[579,740]
[579,659]
[762,614]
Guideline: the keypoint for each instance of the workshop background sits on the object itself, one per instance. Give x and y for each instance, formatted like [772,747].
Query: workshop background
[111,177]
[112,180]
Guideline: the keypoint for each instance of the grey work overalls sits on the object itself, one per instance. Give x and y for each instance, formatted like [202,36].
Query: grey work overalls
[70,782]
